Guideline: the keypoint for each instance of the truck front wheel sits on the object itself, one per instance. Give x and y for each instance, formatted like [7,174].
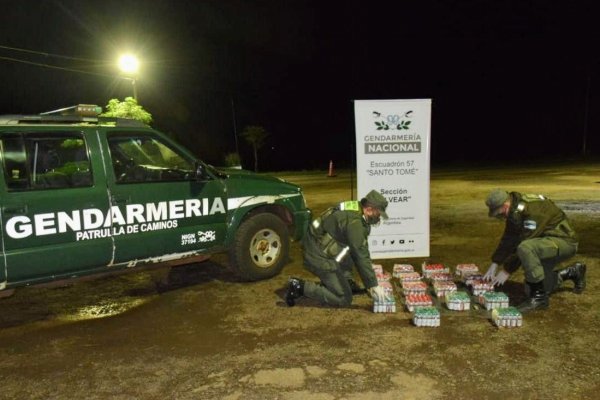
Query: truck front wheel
[260,248]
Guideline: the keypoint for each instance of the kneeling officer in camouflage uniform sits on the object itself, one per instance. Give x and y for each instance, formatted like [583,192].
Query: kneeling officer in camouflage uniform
[334,242]
[538,236]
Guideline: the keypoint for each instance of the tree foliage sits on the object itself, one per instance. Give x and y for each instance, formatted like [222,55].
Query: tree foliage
[232,160]
[129,108]
[256,136]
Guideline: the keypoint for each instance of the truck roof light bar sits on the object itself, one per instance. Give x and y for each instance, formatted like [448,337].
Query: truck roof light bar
[81,110]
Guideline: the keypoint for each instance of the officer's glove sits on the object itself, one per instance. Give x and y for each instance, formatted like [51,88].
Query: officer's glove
[491,272]
[500,278]
[377,293]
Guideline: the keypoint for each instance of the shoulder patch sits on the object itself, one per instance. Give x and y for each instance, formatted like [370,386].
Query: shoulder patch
[530,224]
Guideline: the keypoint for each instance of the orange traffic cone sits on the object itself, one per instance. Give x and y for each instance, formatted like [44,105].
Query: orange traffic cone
[330,174]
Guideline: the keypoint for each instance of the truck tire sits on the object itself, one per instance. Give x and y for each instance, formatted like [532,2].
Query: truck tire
[260,248]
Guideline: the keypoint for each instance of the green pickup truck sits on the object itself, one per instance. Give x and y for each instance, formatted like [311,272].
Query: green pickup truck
[82,195]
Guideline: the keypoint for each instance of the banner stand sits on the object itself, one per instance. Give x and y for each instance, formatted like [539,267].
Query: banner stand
[393,158]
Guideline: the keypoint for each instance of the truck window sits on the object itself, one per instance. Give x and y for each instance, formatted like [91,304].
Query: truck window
[137,158]
[50,161]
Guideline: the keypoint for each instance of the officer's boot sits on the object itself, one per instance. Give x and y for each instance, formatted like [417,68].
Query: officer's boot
[295,290]
[538,298]
[575,273]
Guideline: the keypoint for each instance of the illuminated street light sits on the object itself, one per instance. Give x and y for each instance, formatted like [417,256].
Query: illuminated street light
[130,65]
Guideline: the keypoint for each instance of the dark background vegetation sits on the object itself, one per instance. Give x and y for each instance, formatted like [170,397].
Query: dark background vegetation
[509,80]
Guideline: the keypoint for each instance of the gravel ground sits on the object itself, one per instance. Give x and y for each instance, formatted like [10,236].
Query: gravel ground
[199,332]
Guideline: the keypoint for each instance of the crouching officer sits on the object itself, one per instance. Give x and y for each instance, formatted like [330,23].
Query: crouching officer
[334,242]
[538,236]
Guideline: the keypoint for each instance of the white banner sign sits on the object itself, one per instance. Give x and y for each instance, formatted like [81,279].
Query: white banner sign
[392,157]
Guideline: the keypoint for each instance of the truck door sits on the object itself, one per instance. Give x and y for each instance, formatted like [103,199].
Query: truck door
[159,209]
[51,189]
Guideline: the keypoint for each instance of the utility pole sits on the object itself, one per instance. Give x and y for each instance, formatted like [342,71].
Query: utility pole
[237,150]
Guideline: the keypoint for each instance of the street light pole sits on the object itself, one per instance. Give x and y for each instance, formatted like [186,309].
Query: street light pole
[134,89]
[129,65]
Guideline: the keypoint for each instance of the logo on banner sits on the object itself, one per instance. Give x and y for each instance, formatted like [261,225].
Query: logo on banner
[389,142]
[391,122]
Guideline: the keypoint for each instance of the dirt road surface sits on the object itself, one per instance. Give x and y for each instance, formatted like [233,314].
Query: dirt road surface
[198,332]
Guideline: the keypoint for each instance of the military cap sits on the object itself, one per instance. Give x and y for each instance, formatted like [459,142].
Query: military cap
[376,199]
[495,200]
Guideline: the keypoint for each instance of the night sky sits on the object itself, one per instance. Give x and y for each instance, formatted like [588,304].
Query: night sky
[509,81]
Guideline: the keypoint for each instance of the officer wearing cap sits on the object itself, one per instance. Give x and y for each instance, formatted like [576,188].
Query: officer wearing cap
[538,236]
[336,241]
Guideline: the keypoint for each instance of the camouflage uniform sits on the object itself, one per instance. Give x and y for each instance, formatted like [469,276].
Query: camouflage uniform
[538,236]
[334,242]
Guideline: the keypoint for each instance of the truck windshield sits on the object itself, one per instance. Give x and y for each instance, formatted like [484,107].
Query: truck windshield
[144,158]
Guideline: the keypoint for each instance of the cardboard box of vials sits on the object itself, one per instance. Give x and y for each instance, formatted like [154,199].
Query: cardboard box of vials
[466,269]
[414,287]
[508,317]
[458,301]
[493,300]
[426,316]
[479,287]
[389,304]
[401,268]
[443,287]
[409,276]
[440,276]
[428,269]
[469,278]
[413,301]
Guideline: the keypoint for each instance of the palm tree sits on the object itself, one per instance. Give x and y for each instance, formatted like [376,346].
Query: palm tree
[256,136]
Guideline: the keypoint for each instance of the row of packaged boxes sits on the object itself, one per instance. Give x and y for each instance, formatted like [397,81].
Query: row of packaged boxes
[420,303]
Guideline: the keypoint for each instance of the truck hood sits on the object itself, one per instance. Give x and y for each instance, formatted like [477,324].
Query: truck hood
[256,182]
[244,182]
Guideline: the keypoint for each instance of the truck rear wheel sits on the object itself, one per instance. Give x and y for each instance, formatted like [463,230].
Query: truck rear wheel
[260,248]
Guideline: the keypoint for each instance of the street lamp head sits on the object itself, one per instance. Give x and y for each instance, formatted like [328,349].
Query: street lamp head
[129,64]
